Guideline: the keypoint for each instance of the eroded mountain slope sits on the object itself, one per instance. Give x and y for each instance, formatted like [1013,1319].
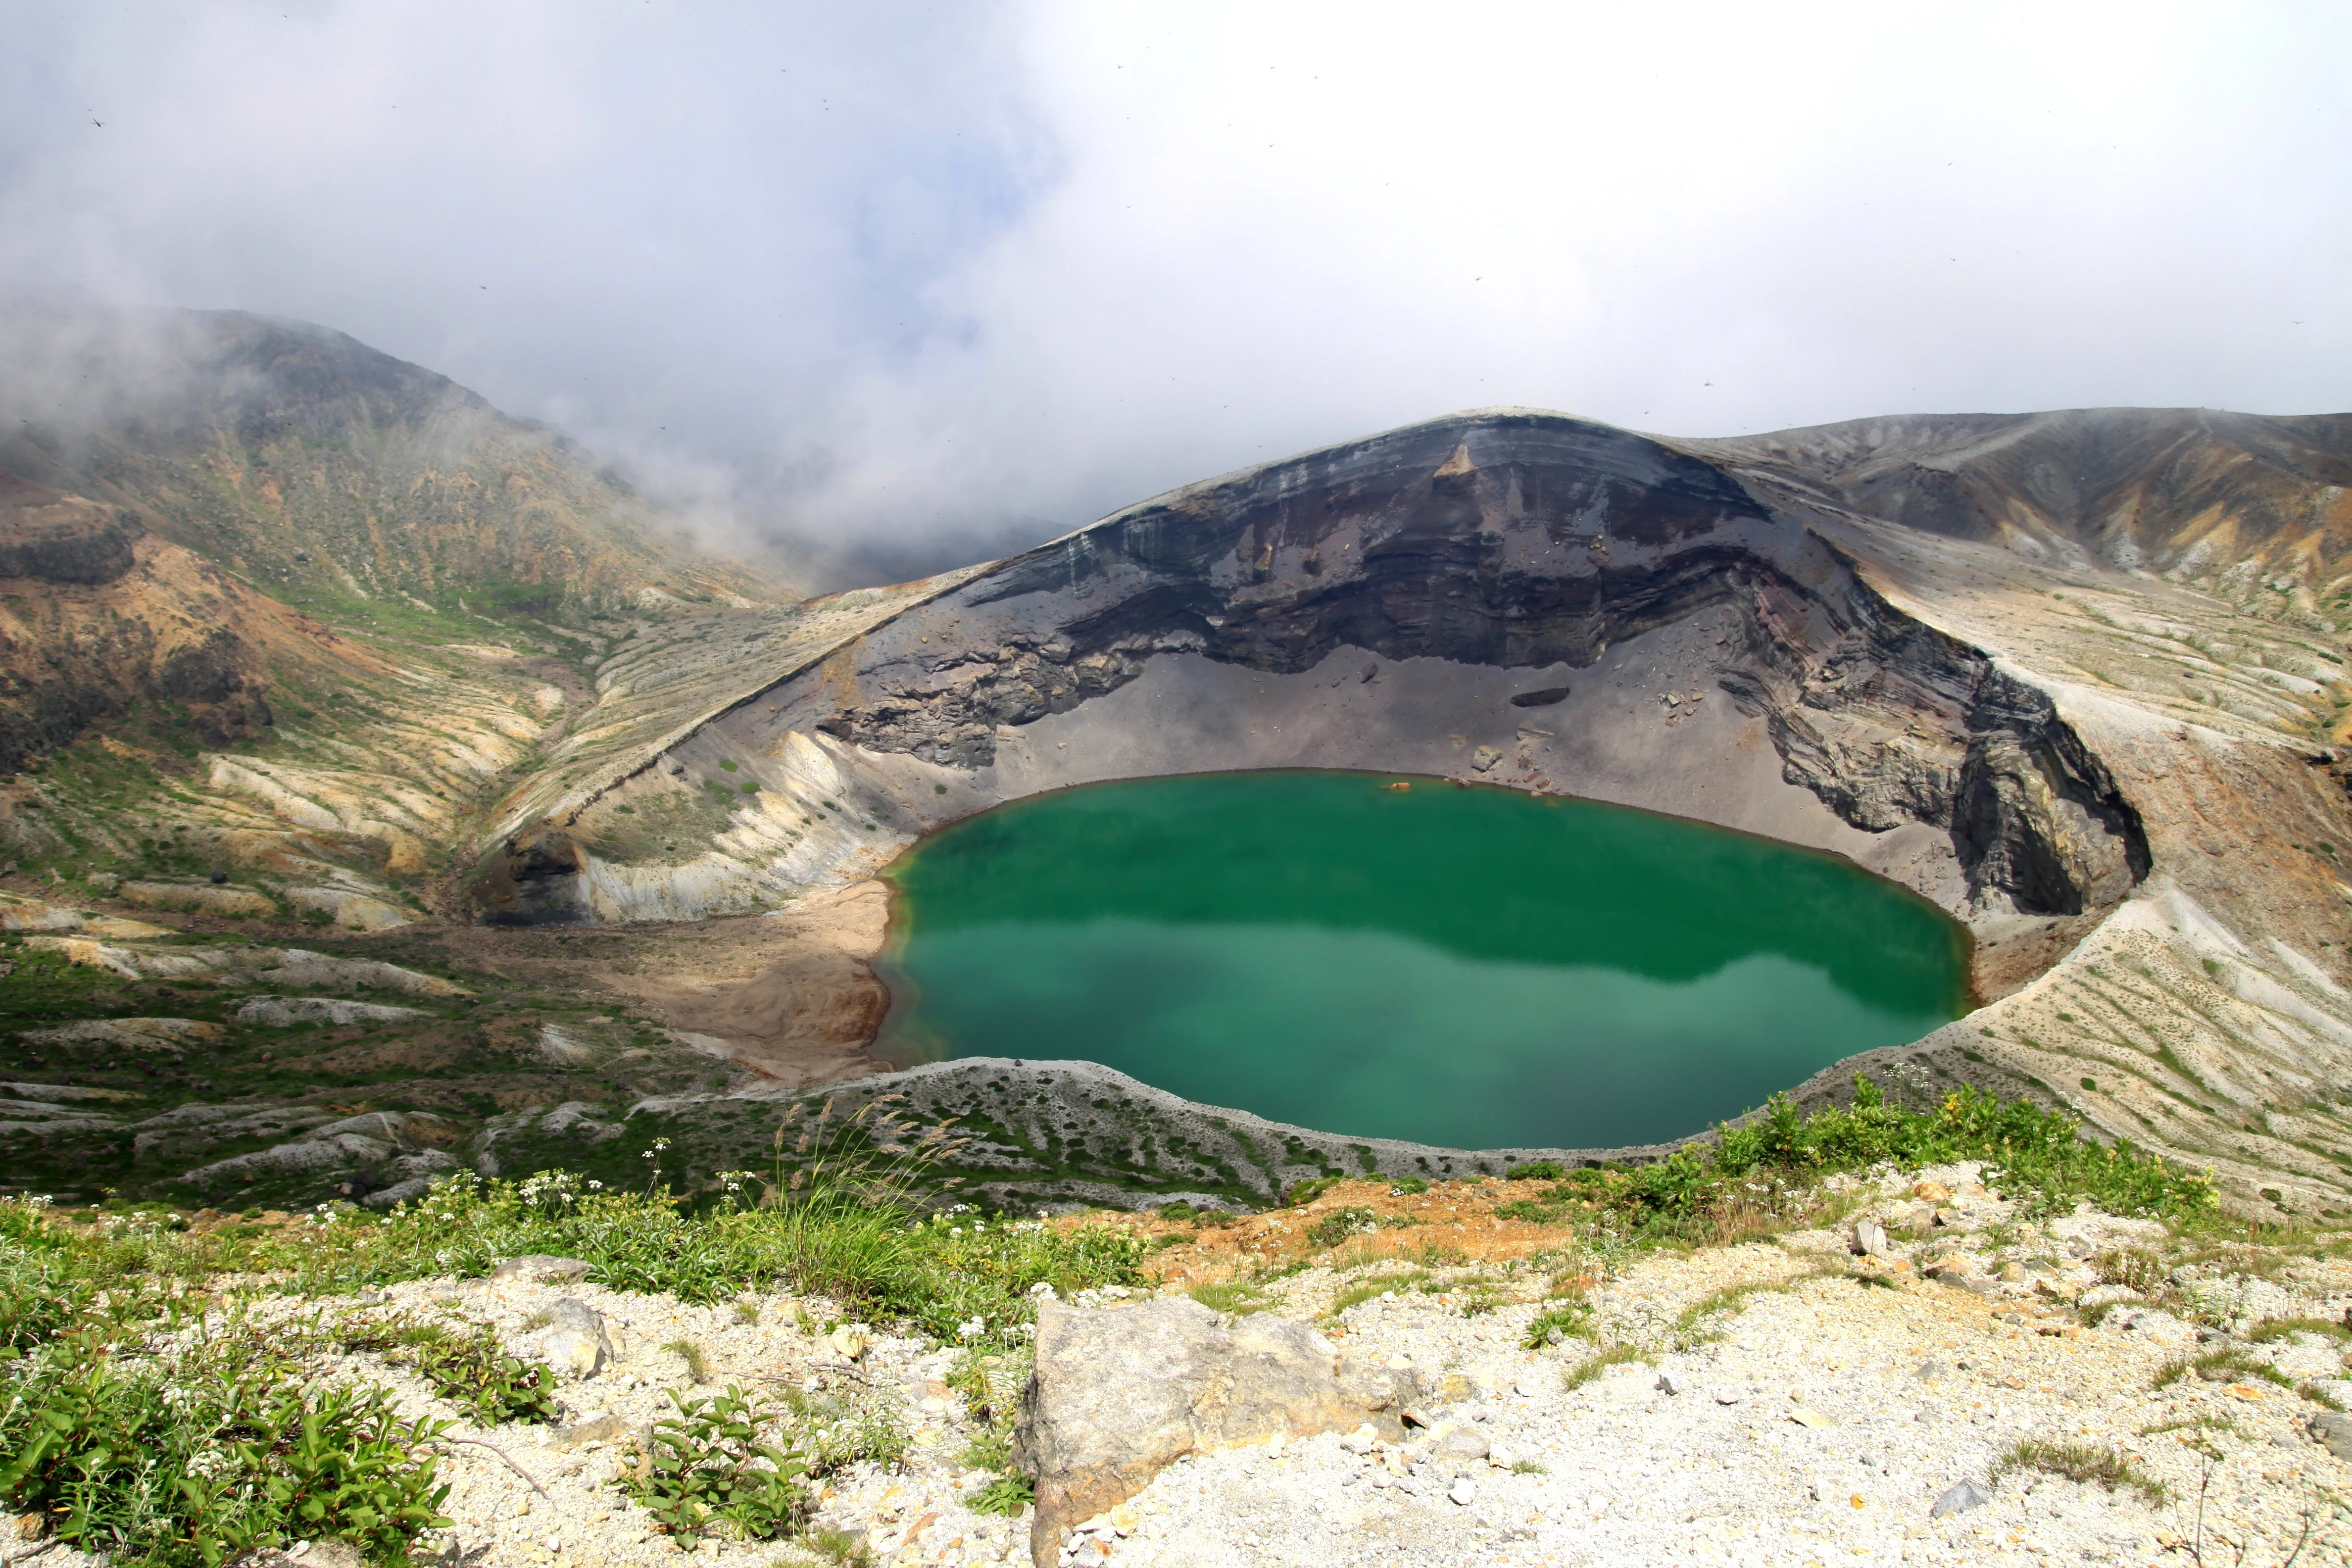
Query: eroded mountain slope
[2121,781]
[331,473]
[2051,746]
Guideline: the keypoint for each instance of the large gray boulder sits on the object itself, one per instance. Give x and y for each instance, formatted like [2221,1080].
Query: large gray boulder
[1121,1391]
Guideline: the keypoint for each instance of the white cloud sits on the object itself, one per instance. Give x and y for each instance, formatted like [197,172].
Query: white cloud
[889,275]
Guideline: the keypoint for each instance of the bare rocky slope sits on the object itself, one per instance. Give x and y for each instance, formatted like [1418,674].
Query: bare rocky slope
[1937,1379]
[2076,677]
[2123,780]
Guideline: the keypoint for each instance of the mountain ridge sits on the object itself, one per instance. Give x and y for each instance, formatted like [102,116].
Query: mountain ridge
[2120,775]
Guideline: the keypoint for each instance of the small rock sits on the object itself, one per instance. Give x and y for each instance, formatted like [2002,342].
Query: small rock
[2334,1429]
[1462,1493]
[577,1342]
[1087,1555]
[1805,1417]
[1464,1442]
[1667,1383]
[1526,1388]
[1501,1457]
[1362,1440]
[1727,1396]
[1930,1372]
[31,1526]
[1414,1415]
[1931,1192]
[1870,1238]
[1959,1499]
[590,1429]
[1485,757]
[2013,1272]
[540,1269]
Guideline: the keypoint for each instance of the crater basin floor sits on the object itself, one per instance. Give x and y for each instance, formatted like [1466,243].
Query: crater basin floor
[1474,968]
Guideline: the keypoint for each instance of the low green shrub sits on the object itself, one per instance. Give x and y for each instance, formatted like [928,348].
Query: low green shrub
[466,1364]
[180,1463]
[1340,1225]
[706,1466]
[1534,1171]
[1008,1494]
[1559,1323]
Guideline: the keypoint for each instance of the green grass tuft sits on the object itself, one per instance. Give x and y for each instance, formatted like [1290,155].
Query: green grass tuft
[2080,1462]
[1599,1362]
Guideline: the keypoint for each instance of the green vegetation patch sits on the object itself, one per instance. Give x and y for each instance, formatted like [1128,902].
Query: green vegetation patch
[2080,1462]
[2035,1157]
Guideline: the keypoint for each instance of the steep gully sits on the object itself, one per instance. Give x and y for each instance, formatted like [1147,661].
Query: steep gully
[1537,602]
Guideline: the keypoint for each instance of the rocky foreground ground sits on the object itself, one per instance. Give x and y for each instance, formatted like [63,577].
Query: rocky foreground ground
[1910,1384]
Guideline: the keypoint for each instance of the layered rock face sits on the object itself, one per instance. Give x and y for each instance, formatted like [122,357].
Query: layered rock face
[1512,551]
[2119,779]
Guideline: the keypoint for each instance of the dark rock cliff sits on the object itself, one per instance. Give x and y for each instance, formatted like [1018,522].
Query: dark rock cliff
[1517,541]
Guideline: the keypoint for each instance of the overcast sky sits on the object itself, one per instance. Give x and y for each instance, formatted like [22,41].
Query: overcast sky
[907,284]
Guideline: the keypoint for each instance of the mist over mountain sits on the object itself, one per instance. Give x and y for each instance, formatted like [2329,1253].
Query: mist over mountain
[302,458]
[883,289]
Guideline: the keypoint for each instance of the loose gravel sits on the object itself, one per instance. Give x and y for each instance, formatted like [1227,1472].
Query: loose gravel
[1787,1402]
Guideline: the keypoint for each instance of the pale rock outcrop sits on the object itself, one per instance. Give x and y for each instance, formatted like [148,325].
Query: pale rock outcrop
[543,1269]
[1121,1391]
[19,913]
[131,1033]
[371,1144]
[282,1012]
[317,971]
[354,911]
[293,967]
[200,898]
[576,1342]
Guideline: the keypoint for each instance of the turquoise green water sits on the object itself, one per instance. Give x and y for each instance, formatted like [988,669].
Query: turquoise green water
[1468,967]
